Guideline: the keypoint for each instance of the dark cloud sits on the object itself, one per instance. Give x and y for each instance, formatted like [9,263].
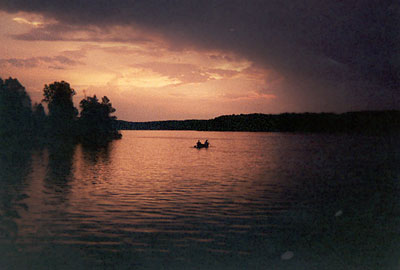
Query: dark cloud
[323,49]
[32,62]
[64,32]
[221,57]
[57,61]
[56,67]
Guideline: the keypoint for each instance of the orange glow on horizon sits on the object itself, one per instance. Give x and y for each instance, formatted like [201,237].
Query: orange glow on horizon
[143,78]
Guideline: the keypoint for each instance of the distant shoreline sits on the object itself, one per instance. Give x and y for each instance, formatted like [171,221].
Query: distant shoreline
[360,121]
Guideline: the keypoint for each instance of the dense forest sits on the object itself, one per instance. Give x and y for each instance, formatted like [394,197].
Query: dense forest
[19,120]
[363,122]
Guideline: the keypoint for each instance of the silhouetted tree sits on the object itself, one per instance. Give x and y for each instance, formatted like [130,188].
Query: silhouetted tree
[62,113]
[15,108]
[96,122]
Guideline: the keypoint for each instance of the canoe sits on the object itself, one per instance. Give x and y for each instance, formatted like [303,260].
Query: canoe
[201,146]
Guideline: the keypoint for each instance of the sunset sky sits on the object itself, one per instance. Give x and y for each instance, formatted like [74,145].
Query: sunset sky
[181,59]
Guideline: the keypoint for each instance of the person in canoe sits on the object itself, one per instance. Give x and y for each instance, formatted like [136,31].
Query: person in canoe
[206,144]
[202,145]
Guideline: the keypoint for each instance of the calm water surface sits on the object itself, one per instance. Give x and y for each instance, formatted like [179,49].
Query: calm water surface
[250,201]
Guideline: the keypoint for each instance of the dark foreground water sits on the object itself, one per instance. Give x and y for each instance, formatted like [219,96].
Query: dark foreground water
[250,201]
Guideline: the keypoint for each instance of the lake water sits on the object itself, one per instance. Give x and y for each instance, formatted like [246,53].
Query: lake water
[250,201]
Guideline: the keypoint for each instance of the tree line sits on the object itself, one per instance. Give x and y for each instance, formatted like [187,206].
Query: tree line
[93,123]
[374,122]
